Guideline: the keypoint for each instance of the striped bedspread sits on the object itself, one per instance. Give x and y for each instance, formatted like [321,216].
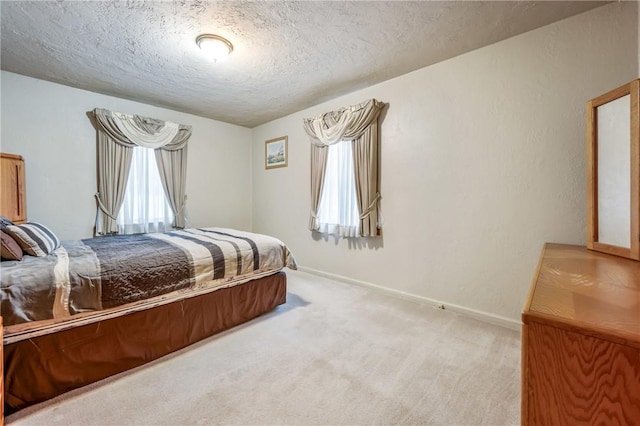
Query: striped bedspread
[102,273]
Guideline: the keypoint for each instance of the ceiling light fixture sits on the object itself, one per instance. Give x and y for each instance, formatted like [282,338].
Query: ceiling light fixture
[215,46]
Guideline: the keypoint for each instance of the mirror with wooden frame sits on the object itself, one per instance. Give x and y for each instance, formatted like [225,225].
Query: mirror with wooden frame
[613,172]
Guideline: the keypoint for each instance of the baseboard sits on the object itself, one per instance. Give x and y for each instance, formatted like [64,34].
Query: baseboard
[479,315]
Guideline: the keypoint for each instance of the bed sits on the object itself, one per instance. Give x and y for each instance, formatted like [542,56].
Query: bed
[93,308]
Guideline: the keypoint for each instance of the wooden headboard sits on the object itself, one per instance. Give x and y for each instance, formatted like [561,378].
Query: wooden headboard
[13,196]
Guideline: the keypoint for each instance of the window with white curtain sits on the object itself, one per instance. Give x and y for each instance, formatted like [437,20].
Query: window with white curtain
[338,209]
[145,207]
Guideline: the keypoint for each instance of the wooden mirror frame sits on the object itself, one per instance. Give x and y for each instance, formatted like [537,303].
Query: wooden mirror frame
[633,252]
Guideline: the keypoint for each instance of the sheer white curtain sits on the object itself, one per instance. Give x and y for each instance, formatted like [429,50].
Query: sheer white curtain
[145,207]
[338,209]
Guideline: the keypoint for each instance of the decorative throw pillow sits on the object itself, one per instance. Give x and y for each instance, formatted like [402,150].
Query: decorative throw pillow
[5,221]
[10,249]
[34,238]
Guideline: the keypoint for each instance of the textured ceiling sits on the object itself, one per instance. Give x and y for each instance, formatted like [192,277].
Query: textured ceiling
[287,56]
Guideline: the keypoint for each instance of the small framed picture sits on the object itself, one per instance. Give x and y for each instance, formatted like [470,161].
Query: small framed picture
[275,153]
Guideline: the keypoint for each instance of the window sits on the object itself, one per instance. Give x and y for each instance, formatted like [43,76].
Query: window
[338,208]
[357,167]
[145,207]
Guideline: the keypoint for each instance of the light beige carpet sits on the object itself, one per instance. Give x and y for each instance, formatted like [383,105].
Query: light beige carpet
[334,354]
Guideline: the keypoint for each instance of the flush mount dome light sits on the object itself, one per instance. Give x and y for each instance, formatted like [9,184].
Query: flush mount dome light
[215,46]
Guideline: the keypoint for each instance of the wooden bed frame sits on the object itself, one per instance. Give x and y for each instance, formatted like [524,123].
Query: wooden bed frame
[42,367]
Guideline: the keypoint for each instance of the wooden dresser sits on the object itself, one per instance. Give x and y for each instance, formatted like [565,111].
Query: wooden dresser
[13,199]
[581,340]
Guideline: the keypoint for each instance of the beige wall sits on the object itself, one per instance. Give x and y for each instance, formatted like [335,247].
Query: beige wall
[483,160]
[46,123]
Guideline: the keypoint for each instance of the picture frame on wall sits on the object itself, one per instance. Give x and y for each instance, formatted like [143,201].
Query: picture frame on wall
[275,153]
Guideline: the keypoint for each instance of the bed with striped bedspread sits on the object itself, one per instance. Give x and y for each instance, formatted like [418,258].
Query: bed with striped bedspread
[106,272]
